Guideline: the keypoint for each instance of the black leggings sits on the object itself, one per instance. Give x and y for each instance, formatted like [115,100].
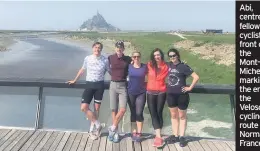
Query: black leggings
[156,105]
[136,105]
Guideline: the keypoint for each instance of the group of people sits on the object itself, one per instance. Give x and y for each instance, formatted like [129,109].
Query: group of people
[128,86]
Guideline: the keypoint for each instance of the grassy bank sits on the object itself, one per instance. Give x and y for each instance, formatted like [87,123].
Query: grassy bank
[209,71]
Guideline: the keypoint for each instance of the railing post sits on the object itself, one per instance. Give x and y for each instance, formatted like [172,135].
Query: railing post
[233,109]
[39,118]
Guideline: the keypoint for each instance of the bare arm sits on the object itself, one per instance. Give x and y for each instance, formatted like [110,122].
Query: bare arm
[80,72]
[194,81]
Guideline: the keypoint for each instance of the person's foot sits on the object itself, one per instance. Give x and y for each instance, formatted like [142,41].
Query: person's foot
[171,139]
[158,142]
[97,132]
[111,134]
[116,138]
[182,142]
[93,136]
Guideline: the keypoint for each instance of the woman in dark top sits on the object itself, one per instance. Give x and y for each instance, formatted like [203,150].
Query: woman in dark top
[177,95]
[137,94]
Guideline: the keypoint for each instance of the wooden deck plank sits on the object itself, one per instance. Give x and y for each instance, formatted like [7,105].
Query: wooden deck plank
[116,146]
[4,132]
[83,142]
[231,145]
[43,141]
[192,146]
[96,144]
[166,148]
[56,141]
[7,136]
[30,141]
[172,147]
[186,148]
[218,145]
[22,141]
[16,140]
[204,145]
[123,144]
[37,141]
[70,141]
[198,146]
[129,144]
[50,141]
[225,146]
[103,143]
[145,144]
[76,142]
[63,142]
[10,139]
[212,146]
[150,146]
[137,146]
[109,146]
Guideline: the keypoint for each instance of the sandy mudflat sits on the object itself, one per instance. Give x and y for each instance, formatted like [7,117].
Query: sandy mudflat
[5,43]
[17,51]
[108,44]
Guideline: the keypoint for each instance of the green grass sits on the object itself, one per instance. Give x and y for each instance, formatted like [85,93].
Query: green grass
[217,39]
[208,70]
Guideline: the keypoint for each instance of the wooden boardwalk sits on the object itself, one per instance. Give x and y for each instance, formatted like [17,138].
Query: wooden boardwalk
[40,140]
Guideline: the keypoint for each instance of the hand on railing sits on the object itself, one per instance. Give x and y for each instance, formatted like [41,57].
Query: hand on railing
[71,82]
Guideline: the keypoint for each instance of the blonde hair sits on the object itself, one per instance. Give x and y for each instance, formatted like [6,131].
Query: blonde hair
[136,52]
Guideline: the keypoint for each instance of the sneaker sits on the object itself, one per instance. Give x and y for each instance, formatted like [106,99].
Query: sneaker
[111,134]
[116,138]
[98,131]
[171,139]
[158,142]
[93,136]
[182,142]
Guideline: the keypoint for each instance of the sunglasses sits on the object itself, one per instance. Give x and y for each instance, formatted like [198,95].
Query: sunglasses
[136,56]
[171,56]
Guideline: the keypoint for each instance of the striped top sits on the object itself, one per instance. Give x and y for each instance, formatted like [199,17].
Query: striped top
[96,68]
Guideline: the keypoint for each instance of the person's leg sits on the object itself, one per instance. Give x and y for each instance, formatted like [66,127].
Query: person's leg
[122,92]
[113,106]
[131,103]
[98,96]
[183,102]
[113,100]
[172,102]
[86,100]
[160,105]
[183,105]
[139,104]
[152,106]
[152,101]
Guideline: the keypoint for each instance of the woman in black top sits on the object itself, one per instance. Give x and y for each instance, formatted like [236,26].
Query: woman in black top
[177,95]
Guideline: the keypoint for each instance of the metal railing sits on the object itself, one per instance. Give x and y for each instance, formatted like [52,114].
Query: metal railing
[53,83]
